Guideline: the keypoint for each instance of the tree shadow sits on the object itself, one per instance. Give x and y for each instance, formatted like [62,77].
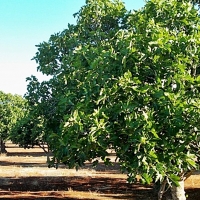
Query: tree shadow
[23,164]
[24,154]
[107,187]
[31,195]
[104,186]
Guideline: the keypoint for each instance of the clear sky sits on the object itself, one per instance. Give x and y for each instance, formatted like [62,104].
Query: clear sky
[26,23]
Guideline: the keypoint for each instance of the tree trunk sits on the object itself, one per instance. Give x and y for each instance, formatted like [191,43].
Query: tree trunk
[48,155]
[178,193]
[45,148]
[3,146]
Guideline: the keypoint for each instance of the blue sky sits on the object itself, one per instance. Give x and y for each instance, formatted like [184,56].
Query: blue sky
[26,23]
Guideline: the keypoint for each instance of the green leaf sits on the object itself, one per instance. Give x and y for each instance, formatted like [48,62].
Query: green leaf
[153,131]
[153,155]
[159,94]
[175,179]
[147,178]
[53,135]
[191,162]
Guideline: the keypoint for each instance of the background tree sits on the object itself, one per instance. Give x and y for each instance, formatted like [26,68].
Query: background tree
[40,119]
[11,110]
[127,81]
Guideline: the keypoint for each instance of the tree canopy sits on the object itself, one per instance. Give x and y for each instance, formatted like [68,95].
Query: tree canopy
[124,80]
[11,110]
[38,121]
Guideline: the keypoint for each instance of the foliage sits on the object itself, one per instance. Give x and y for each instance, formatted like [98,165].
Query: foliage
[128,81]
[38,121]
[11,110]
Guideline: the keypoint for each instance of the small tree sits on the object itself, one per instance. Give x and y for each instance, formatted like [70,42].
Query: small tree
[11,110]
[29,132]
[40,119]
[129,81]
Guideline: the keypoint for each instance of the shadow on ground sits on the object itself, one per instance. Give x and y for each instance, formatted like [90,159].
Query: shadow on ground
[63,187]
[104,186]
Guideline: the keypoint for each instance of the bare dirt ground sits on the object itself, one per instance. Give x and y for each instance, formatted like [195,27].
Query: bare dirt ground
[24,175]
